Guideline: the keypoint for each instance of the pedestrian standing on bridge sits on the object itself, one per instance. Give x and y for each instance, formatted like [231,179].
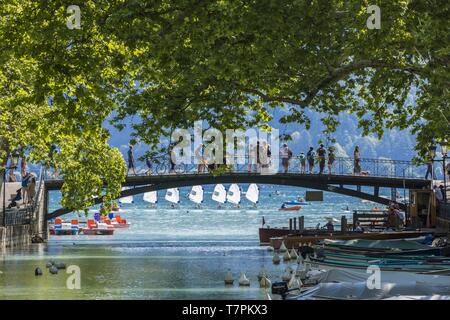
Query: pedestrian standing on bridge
[311,155]
[321,152]
[429,168]
[357,161]
[200,158]
[302,159]
[286,155]
[252,157]
[331,158]
[131,163]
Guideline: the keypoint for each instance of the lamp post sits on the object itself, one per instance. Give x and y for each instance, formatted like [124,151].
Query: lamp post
[444,149]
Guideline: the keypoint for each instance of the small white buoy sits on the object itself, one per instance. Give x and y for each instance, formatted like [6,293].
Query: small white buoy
[265,282]
[300,259]
[307,266]
[270,248]
[283,247]
[294,283]
[243,280]
[261,274]
[229,277]
[286,256]
[286,275]
[293,254]
[276,259]
[307,259]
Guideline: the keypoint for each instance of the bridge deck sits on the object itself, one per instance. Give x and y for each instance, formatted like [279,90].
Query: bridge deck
[293,179]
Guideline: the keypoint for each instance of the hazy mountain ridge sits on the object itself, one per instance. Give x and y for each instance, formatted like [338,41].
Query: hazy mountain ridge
[395,144]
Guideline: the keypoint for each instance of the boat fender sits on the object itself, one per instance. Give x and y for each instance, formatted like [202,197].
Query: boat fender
[276,259]
[283,247]
[38,272]
[243,280]
[229,277]
[265,282]
[286,256]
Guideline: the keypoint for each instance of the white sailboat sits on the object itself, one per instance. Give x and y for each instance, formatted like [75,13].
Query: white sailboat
[196,194]
[126,200]
[173,195]
[252,193]
[234,194]
[151,197]
[219,194]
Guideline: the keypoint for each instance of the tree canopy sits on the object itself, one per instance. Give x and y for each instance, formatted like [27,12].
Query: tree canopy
[167,64]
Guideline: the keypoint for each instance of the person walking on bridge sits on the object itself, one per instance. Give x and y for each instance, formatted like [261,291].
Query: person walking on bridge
[357,161]
[321,152]
[131,162]
[331,158]
[429,168]
[311,155]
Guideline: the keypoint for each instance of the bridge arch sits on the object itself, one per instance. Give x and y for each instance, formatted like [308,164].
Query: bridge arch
[331,183]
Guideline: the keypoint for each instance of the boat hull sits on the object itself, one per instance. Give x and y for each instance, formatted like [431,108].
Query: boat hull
[98,232]
[296,240]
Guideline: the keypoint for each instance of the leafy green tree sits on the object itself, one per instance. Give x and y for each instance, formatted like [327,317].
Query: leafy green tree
[167,64]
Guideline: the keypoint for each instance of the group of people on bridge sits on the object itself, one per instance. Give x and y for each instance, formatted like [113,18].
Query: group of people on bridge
[260,157]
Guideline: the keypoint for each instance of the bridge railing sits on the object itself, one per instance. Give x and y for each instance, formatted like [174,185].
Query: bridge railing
[341,166]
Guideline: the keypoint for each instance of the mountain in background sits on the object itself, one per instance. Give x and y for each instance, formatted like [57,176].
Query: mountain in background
[395,144]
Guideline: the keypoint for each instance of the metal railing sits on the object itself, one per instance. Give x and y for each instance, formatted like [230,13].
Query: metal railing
[340,166]
[20,216]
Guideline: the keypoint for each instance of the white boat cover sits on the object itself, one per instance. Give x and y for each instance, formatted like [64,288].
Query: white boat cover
[409,244]
[234,194]
[356,275]
[151,197]
[196,194]
[219,194]
[360,291]
[433,297]
[252,193]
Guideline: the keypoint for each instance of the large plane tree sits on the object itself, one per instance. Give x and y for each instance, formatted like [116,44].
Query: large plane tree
[166,64]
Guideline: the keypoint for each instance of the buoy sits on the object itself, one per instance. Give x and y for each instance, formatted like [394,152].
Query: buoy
[293,254]
[60,265]
[53,270]
[38,272]
[265,282]
[307,259]
[283,247]
[229,278]
[286,256]
[294,283]
[261,274]
[276,259]
[300,259]
[48,264]
[286,275]
[243,280]
[270,248]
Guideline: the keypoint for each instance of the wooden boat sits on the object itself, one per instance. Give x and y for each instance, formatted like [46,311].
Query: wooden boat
[292,208]
[297,239]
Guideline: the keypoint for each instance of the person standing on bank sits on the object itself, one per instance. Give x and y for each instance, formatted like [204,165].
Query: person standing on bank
[310,155]
[331,158]
[321,152]
[131,162]
[357,161]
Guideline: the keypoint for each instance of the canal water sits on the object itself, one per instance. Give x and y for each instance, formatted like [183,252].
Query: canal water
[180,253]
